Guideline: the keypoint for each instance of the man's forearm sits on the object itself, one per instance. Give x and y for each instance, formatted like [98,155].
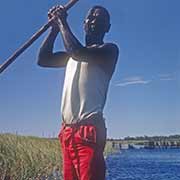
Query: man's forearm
[48,44]
[71,43]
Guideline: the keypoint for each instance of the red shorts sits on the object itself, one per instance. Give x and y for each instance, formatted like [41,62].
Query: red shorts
[82,151]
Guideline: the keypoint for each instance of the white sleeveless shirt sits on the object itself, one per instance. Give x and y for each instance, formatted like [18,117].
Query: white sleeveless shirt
[84,92]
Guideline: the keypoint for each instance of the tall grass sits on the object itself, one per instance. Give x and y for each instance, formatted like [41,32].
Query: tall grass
[25,158]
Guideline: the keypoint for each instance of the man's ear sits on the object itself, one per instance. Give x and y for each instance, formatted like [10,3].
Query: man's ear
[107,28]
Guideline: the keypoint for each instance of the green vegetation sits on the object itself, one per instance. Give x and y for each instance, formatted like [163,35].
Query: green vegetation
[28,157]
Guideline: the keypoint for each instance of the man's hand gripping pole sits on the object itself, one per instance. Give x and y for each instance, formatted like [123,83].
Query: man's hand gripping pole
[32,39]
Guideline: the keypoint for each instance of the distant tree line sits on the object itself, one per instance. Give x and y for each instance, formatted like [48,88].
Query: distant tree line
[147,138]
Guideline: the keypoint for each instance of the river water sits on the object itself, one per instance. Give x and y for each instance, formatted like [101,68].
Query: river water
[143,164]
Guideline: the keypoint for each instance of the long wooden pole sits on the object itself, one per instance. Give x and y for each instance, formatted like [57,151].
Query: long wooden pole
[32,39]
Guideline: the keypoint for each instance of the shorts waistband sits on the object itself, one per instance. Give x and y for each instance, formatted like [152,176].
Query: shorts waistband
[89,121]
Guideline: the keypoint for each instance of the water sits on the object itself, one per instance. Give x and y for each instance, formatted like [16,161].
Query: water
[143,164]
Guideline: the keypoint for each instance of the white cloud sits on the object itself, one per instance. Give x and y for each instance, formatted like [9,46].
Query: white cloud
[166,77]
[138,80]
[134,80]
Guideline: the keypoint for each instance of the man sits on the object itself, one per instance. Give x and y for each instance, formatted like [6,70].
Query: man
[89,69]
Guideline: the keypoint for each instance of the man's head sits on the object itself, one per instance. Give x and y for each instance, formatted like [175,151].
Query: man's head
[97,21]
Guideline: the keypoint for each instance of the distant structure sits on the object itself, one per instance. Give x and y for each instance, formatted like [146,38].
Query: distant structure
[123,145]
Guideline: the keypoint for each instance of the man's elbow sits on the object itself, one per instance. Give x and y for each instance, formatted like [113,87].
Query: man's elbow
[40,64]
[42,58]
[41,61]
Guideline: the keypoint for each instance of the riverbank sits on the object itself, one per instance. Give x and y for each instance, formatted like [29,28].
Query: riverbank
[23,157]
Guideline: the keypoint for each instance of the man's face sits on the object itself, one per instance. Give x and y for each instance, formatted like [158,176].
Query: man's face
[96,22]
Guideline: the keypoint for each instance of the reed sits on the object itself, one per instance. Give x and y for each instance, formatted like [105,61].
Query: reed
[28,157]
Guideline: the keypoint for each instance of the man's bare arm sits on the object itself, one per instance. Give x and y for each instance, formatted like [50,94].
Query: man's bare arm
[46,57]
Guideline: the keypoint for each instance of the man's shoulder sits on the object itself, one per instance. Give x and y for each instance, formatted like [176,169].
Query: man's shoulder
[111,53]
[110,46]
[106,46]
[110,50]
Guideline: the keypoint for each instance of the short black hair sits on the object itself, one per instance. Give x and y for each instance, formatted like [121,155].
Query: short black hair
[106,13]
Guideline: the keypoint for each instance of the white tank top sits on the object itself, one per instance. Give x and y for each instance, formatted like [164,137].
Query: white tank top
[84,92]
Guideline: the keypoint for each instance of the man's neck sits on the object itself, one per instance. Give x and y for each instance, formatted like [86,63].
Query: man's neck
[94,40]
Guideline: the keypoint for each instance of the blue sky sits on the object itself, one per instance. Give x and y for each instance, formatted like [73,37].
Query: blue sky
[143,97]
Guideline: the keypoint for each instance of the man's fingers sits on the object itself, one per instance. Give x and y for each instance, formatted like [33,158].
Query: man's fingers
[49,15]
[56,12]
[56,8]
[52,10]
